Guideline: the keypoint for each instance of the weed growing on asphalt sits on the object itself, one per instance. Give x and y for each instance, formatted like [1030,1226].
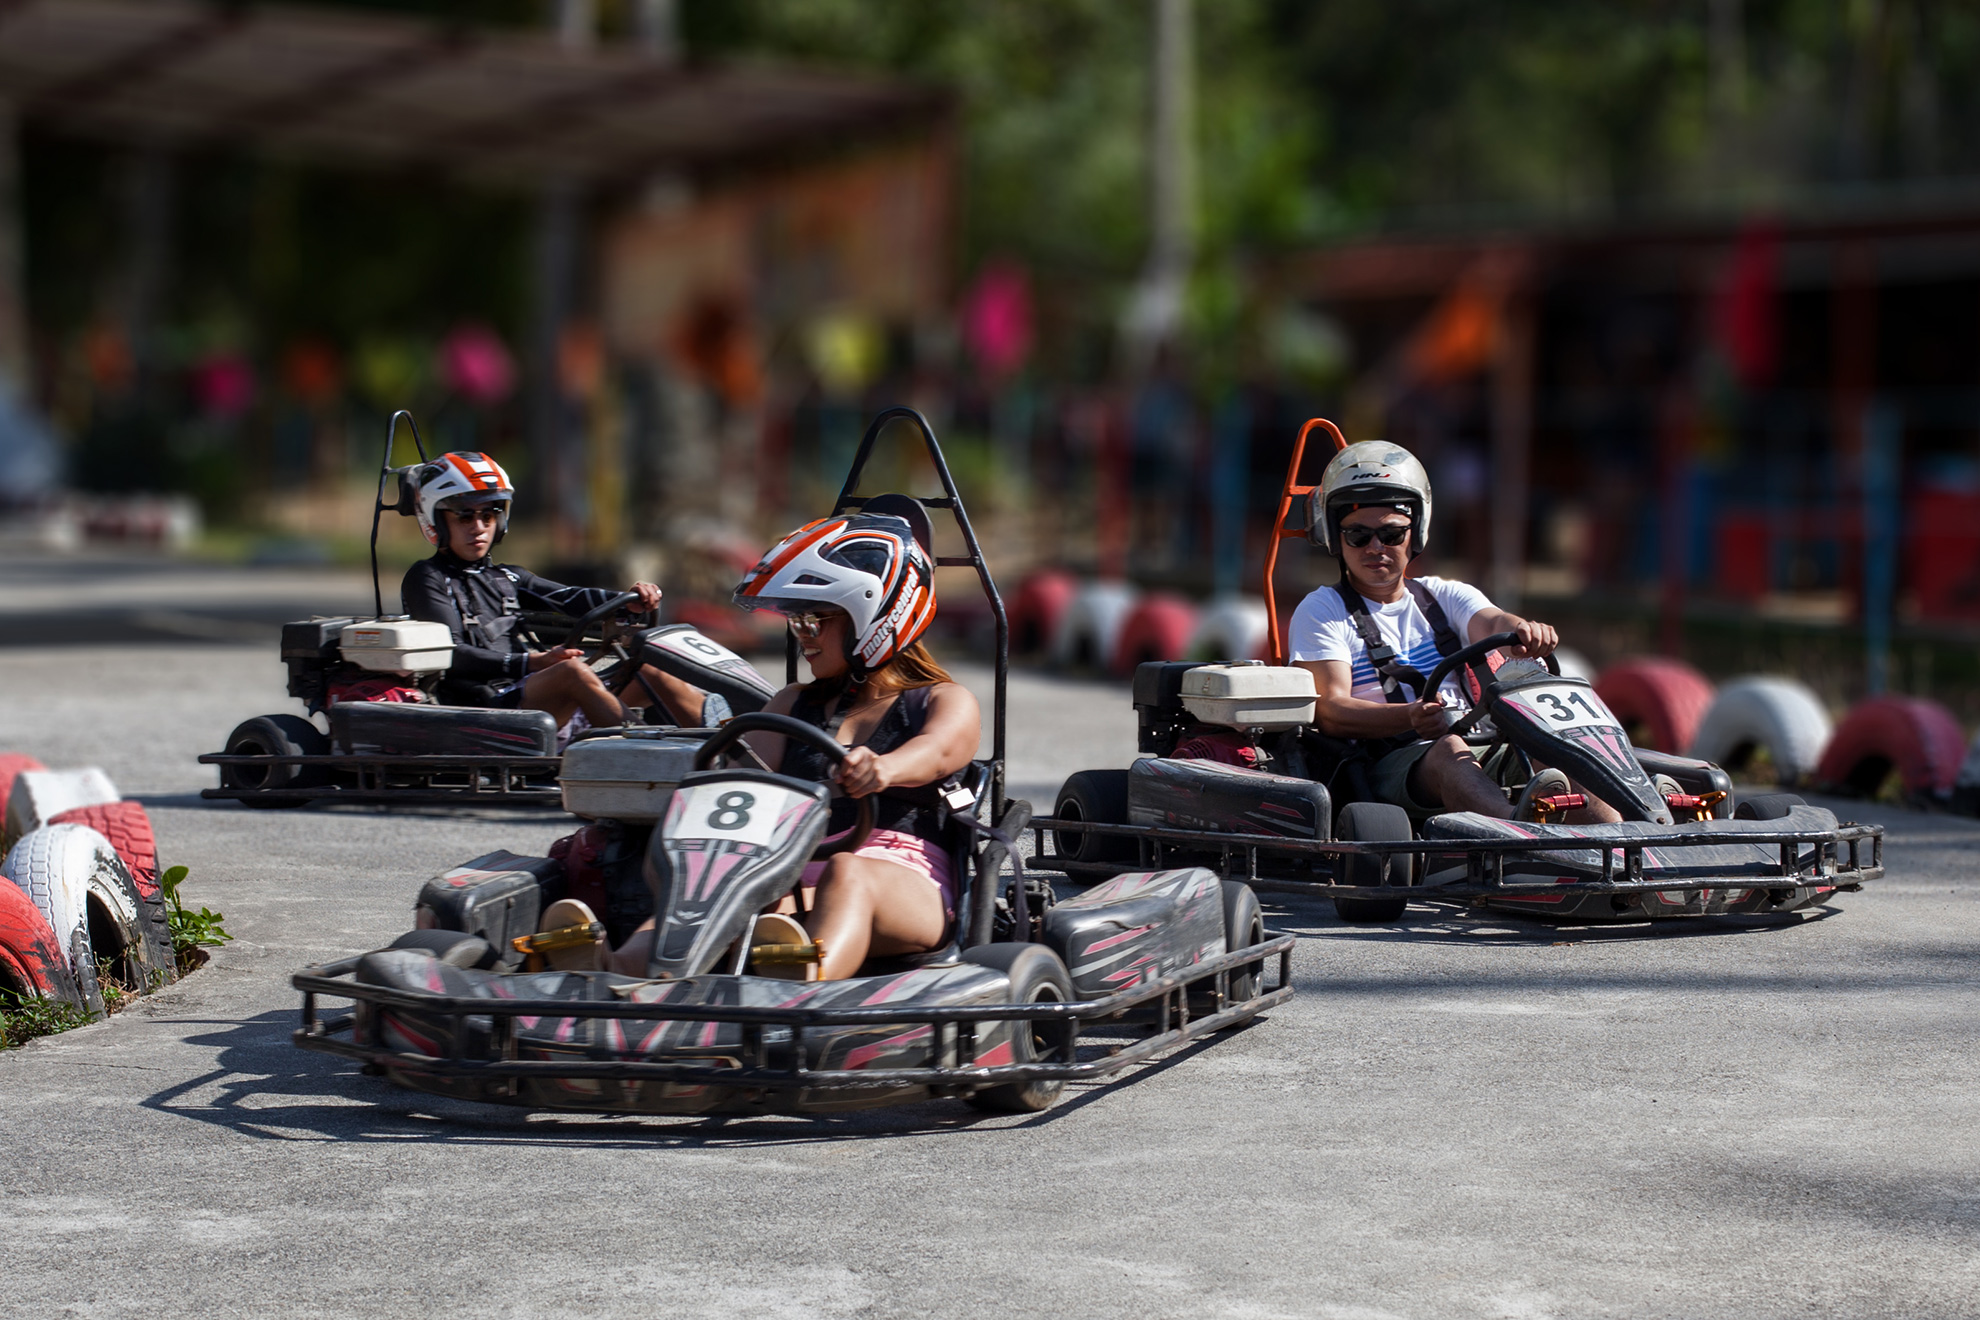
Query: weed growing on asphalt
[23,1017]
[192,932]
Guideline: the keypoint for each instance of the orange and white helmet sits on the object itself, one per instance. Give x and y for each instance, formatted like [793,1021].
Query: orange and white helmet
[868,564]
[461,480]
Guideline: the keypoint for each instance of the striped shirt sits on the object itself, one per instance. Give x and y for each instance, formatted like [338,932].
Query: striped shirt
[1321,630]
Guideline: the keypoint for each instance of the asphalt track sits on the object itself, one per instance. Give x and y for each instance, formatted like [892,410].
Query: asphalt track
[1462,1116]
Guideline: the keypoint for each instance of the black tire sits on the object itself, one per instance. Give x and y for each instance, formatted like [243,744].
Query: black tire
[1244,926]
[1100,796]
[275,735]
[453,947]
[1373,822]
[1037,976]
[1767,806]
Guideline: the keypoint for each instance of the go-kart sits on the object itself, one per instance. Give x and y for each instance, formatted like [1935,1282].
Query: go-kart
[373,731]
[723,1021]
[1280,804]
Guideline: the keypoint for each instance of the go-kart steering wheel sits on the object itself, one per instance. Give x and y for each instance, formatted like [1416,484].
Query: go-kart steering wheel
[731,733]
[605,611]
[1473,657]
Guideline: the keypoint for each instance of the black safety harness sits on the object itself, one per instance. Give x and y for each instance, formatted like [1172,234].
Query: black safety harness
[1382,656]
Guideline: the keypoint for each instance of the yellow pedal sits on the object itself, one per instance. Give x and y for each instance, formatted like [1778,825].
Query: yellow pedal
[564,937]
[786,955]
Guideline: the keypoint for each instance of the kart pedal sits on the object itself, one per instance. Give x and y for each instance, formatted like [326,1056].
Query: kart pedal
[1549,809]
[1697,805]
[564,937]
[786,951]
[786,955]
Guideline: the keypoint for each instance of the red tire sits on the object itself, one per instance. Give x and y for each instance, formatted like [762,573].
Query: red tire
[11,764]
[1919,739]
[1036,608]
[129,832]
[1160,628]
[31,958]
[1659,698]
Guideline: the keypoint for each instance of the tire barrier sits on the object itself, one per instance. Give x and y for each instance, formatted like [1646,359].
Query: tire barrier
[1574,664]
[1918,738]
[12,764]
[1090,629]
[1158,628]
[1966,784]
[1778,715]
[32,960]
[127,829]
[1037,609]
[38,796]
[72,869]
[1663,699]
[1230,629]
[44,864]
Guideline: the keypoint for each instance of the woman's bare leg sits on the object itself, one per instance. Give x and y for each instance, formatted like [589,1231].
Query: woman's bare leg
[865,905]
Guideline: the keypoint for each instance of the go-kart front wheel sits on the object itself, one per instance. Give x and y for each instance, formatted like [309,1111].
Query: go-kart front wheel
[1373,822]
[274,735]
[1037,977]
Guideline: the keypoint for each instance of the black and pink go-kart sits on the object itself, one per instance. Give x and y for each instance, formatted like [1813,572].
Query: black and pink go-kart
[1026,994]
[1241,780]
[363,740]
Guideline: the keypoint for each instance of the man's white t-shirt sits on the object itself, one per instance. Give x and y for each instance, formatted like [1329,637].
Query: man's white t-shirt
[1321,630]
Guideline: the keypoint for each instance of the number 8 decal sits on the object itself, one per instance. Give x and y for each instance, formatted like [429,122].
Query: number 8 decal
[731,810]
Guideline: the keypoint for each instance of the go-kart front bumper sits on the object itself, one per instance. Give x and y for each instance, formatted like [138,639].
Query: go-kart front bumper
[771,1062]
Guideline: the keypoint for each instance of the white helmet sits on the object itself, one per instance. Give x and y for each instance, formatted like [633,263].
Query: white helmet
[1369,472]
[868,564]
[460,480]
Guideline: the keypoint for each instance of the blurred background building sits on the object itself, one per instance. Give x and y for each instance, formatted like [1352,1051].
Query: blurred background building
[1679,301]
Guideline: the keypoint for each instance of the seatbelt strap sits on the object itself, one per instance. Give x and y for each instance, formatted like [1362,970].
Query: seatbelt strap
[1382,656]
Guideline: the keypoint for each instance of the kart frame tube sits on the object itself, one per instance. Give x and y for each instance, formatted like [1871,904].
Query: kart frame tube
[1485,859]
[1174,1026]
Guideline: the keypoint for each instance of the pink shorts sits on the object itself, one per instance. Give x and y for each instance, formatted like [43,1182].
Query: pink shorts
[917,854]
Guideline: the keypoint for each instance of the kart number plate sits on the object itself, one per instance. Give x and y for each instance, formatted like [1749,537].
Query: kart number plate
[1562,707]
[743,811]
[693,646]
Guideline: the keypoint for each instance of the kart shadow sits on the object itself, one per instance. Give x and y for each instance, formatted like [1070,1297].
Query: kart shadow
[263,1086]
[1425,923]
[194,802]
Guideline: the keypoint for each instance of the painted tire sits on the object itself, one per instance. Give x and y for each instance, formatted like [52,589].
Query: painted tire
[1573,664]
[1037,608]
[1091,627]
[1663,698]
[1781,715]
[128,829]
[1919,739]
[32,960]
[52,866]
[11,764]
[1160,628]
[1230,630]
[38,796]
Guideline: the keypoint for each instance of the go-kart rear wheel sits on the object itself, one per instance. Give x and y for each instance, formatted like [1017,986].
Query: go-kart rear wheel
[1037,977]
[1100,796]
[1767,806]
[1373,822]
[275,735]
[1244,926]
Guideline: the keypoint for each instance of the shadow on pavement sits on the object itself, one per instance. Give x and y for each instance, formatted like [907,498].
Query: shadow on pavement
[263,1086]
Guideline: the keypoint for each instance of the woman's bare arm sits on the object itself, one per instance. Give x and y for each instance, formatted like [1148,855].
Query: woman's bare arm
[946,743]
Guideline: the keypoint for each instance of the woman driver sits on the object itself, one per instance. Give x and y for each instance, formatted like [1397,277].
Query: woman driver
[859,590]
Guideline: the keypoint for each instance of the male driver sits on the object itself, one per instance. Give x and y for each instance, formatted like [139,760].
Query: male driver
[1370,640]
[463,504]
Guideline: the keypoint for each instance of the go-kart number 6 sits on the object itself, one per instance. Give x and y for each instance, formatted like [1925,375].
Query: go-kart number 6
[697,647]
[1562,707]
[747,814]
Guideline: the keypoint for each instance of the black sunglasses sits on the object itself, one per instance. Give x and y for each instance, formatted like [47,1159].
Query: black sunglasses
[1359,537]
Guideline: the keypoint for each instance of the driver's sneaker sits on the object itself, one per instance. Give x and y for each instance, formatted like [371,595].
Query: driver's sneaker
[569,937]
[1548,783]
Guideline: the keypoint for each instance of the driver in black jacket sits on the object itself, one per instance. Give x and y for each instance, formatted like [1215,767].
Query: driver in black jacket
[463,507]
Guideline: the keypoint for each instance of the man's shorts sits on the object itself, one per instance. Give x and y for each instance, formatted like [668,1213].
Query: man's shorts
[1390,778]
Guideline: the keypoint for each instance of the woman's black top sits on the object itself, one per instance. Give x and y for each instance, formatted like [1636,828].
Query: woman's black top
[905,719]
[479,604]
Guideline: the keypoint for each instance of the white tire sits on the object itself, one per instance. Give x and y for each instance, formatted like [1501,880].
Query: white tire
[1090,630]
[1230,629]
[38,796]
[1574,664]
[54,867]
[1779,714]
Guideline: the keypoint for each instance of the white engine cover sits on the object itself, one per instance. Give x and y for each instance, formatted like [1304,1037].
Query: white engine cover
[1241,696]
[398,646]
[628,779]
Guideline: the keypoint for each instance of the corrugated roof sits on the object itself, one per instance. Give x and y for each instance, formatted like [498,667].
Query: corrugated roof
[368,89]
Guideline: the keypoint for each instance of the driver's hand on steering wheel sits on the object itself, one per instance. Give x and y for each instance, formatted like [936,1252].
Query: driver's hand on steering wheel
[864,772]
[1429,718]
[649,595]
[541,660]
[1535,640]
